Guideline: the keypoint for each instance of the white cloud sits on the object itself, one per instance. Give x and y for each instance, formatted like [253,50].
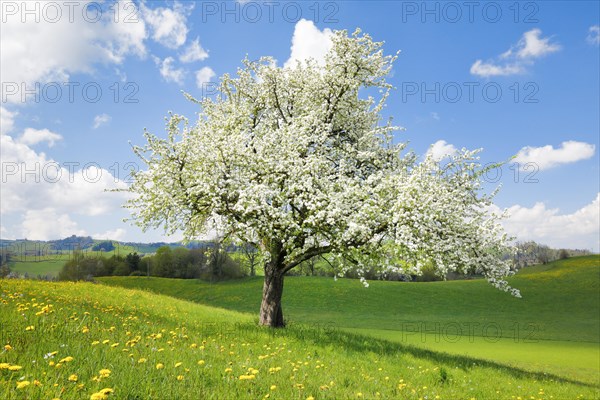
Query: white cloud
[100,120]
[169,72]
[34,136]
[7,120]
[435,115]
[47,224]
[50,51]
[114,234]
[516,59]
[532,46]
[194,52]
[168,25]
[441,149]
[32,181]
[580,229]
[486,70]
[547,156]
[6,234]
[204,76]
[309,42]
[594,35]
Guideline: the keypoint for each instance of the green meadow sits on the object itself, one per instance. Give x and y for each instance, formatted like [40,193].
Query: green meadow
[190,339]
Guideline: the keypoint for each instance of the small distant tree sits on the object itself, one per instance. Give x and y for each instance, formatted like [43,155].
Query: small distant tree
[4,270]
[297,162]
[133,261]
[563,254]
[163,262]
[251,255]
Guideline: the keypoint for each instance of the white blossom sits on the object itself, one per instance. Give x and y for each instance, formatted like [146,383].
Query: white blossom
[297,162]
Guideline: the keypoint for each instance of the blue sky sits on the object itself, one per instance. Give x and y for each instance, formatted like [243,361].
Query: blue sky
[516,79]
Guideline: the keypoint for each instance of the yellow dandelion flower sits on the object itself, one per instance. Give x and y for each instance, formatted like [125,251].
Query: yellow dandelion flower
[201,362]
[95,342]
[8,347]
[37,383]
[106,391]
[4,365]
[193,346]
[22,384]
[73,378]
[30,328]
[178,364]
[310,398]
[273,387]
[114,345]
[142,360]
[104,373]
[179,377]
[160,366]
[228,370]
[105,341]
[247,377]
[14,368]
[85,329]
[66,359]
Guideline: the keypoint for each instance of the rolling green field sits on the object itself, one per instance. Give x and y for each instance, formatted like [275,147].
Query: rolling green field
[93,341]
[554,328]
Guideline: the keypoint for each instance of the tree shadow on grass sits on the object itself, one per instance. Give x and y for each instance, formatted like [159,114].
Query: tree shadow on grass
[354,342]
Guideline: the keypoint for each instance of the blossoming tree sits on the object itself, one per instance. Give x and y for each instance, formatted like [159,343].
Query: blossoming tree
[298,162]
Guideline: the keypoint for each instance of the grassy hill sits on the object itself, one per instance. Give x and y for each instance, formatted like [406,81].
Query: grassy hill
[554,328]
[83,340]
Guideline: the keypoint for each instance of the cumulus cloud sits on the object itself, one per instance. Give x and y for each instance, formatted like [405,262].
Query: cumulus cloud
[34,136]
[441,149]
[57,49]
[169,72]
[168,25]
[546,157]
[593,36]
[204,76]
[7,120]
[515,60]
[309,42]
[47,224]
[48,51]
[32,181]
[193,52]
[580,229]
[100,120]
[114,234]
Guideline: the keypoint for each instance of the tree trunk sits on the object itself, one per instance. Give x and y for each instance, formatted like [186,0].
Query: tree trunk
[271,313]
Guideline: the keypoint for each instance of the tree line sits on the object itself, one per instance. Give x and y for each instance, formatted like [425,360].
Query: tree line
[209,264]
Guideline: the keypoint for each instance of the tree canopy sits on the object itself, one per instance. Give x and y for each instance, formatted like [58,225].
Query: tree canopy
[298,162]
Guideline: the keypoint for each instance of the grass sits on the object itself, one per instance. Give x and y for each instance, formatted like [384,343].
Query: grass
[49,263]
[554,328]
[83,340]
